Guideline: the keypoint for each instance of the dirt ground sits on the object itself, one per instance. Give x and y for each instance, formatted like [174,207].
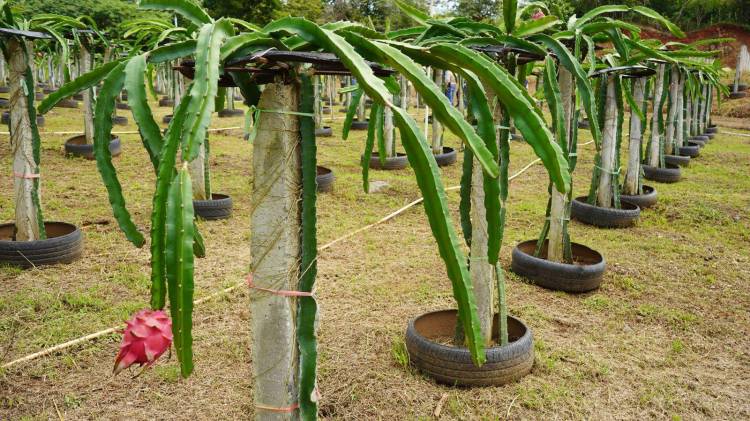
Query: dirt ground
[666,336]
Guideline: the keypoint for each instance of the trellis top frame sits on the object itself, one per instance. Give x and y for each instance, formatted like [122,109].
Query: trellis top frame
[270,63]
[8,32]
[633,72]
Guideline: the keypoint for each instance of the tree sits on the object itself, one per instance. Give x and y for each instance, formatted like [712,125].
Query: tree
[256,11]
[479,9]
[308,9]
[107,14]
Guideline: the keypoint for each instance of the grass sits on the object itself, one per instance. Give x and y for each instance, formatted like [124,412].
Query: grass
[664,337]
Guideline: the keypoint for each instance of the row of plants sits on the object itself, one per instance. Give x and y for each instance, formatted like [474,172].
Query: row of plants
[280,70]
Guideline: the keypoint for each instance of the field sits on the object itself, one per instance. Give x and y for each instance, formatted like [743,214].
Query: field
[665,337]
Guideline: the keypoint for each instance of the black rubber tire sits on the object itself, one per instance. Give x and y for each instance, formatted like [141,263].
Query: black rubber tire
[453,366]
[710,136]
[448,157]
[670,174]
[4,89]
[124,96]
[122,105]
[38,96]
[712,129]
[67,103]
[516,137]
[40,121]
[699,143]
[690,150]
[585,275]
[741,87]
[166,102]
[600,217]
[677,160]
[360,125]
[219,207]
[75,147]
[645,200]
[226,112]
[78,96]
[4,103]
[737,95]
[324,179]
[166,119]
[399,162]
[64,244]
[325,110]
[120,120]
[325,131]
[584,124]
[48,91]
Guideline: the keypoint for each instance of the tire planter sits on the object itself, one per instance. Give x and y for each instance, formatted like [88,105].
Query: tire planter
[76,146]
[448,157]
[670,174]
[122,106]
[324,179]
[737,95]
[78,97]
[120,120]
[325,131]
[712,129]
[741,87]
[325,110]
[4,103]
[360,125]
[710,136]
[67,103]
[700,138]
[398,162]
[166,102]
[584,124]
[516,137]
[645,200]
[453,366]
[219,207]
[64,244]
[4,89]
[690,150]
[38,96]
[226,112]
[48,91]
[166,119]
[677,160]
[5,119]
[597,216]
[584,275]
[698,143]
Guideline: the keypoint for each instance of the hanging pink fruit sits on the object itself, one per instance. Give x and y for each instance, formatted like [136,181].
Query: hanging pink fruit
[537,15]
[147,335]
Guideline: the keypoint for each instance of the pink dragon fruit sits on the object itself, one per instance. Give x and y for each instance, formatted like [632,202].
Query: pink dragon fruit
[537,15]
[147,335]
